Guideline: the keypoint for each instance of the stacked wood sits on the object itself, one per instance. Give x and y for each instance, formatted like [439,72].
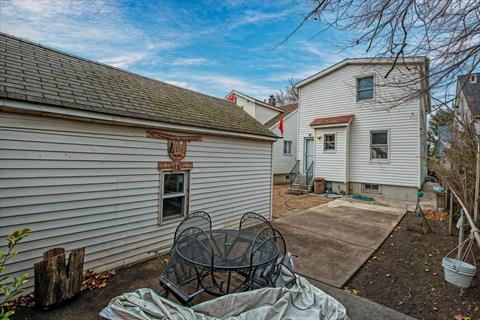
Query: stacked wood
[55,280]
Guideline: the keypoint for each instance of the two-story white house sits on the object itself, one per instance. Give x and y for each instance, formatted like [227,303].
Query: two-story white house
[363,132]
[284,152]
[272,117]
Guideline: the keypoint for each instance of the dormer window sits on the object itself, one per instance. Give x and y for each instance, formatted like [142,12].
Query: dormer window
[473,78]
[365,88]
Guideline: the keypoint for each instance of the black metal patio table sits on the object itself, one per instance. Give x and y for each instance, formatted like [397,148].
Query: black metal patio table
[232,252]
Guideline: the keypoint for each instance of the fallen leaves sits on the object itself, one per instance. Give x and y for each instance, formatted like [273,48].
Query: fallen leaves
[93,280]
[435,215]
[355,292]
[460,317]
[27,301]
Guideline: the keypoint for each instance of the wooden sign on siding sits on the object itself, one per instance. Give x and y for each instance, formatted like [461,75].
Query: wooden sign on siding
[177,149]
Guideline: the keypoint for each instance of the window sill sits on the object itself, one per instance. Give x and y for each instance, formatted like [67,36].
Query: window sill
[288,154]
[329,151]
[379,161]
[170,220]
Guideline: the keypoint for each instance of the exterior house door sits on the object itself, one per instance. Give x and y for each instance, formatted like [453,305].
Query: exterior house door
[308,155]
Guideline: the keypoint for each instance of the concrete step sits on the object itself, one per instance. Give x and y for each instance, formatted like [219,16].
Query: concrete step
[297,191]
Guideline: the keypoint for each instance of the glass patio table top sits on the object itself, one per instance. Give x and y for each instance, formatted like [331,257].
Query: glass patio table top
[230,249]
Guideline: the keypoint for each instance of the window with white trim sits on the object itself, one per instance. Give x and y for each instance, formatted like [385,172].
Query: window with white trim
[379,144]
[329,142]
[174,195]
[287,147]
[365,88]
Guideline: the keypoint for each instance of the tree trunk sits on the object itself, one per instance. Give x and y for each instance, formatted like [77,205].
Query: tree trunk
[56,281]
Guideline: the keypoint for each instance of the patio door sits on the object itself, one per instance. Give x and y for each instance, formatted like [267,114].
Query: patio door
[308,155]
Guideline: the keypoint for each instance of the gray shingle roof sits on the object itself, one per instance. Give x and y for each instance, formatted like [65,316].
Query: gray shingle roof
[289,108]
[471,91]
[34,73]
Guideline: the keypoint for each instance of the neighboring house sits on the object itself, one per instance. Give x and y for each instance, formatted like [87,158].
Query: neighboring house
[285,148]
[260,110]
[91,156]
[353,133]
[467,102]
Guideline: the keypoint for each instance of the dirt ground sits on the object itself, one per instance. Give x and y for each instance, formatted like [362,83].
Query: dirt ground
[406,274]
[286,204]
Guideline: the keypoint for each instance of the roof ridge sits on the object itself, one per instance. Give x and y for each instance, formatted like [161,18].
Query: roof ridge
[103,64]
[257,100]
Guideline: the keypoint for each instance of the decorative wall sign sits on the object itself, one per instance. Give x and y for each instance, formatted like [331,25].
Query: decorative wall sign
[177,149]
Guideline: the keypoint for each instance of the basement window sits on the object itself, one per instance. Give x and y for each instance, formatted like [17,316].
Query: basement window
[371,188]
[174,195]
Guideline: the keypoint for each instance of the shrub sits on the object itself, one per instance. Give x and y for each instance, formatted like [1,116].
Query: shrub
[10,287]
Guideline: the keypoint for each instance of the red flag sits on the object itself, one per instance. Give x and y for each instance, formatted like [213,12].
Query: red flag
[231,98]
[280,125]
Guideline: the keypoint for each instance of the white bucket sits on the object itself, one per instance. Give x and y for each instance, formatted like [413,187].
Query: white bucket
[458,272]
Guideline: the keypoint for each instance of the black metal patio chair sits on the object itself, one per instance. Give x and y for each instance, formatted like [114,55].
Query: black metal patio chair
[199,219]
[268,275]
[185,280]
[250,219]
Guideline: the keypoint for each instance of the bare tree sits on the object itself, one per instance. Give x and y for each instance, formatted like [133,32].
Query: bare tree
[288,95]
[446,31]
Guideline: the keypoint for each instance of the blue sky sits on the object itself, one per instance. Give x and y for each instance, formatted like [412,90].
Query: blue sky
[208,46]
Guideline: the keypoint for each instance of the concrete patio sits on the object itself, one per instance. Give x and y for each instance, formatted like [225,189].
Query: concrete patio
[145,275]
[332,241]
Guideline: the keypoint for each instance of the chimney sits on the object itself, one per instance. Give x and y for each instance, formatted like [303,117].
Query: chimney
[271,101]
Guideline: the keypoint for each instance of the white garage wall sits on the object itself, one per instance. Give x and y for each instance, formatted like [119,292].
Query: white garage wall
[83,184]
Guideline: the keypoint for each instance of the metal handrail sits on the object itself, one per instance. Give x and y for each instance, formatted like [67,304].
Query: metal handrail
[309,174]
[294,172]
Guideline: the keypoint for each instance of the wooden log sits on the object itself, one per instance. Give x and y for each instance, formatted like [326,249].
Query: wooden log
[55,280]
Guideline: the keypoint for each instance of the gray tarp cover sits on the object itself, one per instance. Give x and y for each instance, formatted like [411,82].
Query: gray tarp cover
[301,301]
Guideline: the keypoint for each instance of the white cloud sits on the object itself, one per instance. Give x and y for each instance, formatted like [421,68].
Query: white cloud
[96,29]
[255,17]
[183,84]
[124,60]
[189,61]
[215,83]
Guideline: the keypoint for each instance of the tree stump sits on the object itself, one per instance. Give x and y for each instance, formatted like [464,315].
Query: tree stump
[56,281]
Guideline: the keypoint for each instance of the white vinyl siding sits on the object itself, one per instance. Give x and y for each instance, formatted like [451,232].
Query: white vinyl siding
[283,163]
[335,94]
[330,164]
[287,147]
[248,106]
[80,184]
[263,114]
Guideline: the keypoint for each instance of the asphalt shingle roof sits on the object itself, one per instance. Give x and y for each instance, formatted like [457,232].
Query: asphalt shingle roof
[289,108]
[34,73]
[332,120]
